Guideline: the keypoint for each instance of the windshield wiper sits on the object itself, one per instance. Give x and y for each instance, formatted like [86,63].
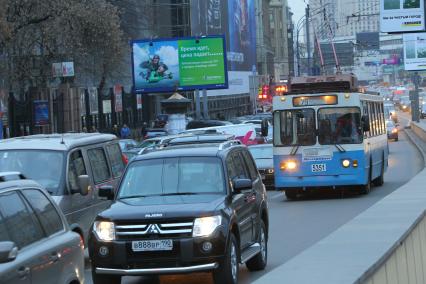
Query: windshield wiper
[133,196]
[340,148]
[294,150]
[179,193]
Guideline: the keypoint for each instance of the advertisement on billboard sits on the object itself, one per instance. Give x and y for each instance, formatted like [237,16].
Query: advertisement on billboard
[118,98]
[93,100]
[41,113]
[236,19]
[138,101]
[402,15]
[415,51]
[179,64]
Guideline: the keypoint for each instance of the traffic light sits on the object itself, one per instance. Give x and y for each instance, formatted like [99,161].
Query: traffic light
[265,92]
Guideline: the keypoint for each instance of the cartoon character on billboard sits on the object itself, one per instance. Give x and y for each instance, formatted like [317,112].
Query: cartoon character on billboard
[155,70]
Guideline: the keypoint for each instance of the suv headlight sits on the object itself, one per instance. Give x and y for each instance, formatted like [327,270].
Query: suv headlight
[205,226]
[105,231]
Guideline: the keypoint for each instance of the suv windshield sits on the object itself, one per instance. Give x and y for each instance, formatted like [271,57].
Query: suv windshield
[43,166]
[339,126]
[172,176]
[294,127]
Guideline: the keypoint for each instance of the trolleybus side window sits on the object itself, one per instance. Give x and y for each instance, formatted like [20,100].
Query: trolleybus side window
[365,114]
[371,119]
[382,118]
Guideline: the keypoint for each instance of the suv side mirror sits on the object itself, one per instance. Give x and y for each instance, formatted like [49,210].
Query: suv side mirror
[265,127]
[242,184]
[8,252]
[106,191]
[84,183]
[365,123]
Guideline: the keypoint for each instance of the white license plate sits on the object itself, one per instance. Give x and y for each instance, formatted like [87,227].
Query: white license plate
[152,245]
[316,168]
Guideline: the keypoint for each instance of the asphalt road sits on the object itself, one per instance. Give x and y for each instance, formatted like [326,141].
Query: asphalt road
[297,225]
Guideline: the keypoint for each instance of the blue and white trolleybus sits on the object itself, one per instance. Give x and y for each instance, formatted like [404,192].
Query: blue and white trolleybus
[327,134]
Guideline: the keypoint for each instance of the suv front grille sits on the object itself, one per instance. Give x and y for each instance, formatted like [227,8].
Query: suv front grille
[148,230]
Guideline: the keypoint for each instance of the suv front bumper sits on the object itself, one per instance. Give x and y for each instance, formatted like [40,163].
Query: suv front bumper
[167,270]
[187,256]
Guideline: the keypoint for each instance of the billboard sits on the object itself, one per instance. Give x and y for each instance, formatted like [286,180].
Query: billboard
[402,15]
[236,19]
[41,112]
[118,98]
[415,51]
[166,65]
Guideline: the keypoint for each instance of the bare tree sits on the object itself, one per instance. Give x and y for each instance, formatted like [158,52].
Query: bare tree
[34,34]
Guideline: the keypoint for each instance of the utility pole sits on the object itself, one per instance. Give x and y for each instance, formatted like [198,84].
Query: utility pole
[415,98]
[308,40]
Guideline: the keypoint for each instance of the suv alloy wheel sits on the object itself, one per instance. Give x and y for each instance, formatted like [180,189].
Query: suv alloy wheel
[228,270]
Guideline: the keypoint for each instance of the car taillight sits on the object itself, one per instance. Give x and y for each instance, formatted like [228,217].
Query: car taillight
[125,159]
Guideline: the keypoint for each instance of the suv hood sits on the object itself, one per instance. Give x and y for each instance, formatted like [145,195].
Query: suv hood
[163,207]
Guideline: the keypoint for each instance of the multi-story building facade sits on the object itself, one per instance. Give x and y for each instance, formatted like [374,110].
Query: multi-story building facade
[278,17]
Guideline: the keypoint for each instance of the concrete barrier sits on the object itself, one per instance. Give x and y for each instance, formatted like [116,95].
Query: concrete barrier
[384,244]
[418,129]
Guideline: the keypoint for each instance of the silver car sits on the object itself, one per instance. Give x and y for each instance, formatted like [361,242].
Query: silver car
[36,243]
[71,167]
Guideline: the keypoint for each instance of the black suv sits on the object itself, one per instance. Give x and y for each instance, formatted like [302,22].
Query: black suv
[183,209]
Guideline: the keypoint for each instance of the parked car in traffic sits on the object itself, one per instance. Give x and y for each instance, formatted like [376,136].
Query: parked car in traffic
[36,243]
[127,144]
[155,132]
[248,134]
[183,209]
[423,110]
[391,130]
[195,124]
[263,158]
[71,167]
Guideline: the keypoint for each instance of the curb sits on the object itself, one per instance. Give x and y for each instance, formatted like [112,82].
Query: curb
[413,138]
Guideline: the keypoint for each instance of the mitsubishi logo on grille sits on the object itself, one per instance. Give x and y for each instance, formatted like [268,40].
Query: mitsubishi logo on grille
[153,229]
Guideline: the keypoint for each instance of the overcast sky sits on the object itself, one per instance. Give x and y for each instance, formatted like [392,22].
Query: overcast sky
[298,8]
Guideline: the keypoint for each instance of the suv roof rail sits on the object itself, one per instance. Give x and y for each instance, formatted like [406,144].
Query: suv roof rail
[8,176]
[229,143]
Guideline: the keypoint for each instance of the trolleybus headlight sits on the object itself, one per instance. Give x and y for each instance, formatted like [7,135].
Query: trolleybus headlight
[346,163]
[270,171]
[355,163]
[288,165]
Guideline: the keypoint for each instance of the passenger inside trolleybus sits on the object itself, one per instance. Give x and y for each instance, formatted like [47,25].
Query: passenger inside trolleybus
[339,126]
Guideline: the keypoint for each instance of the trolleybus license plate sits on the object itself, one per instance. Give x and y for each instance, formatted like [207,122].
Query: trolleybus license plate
[316,168]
